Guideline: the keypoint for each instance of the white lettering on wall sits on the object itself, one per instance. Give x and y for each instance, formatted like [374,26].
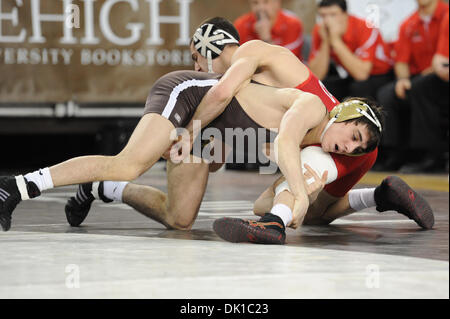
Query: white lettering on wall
[13,17]
[135,28]
[89,36]
[37,18]
[156,20]
[70,18]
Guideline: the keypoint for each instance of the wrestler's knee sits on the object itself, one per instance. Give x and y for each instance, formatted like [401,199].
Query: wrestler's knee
[180,217]
[177,222]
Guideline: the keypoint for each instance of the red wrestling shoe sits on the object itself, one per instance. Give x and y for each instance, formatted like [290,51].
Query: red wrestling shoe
[268,230]
[394,194]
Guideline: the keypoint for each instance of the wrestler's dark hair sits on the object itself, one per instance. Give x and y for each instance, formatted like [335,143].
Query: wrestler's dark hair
[328,3]
[374,133]
[224,24]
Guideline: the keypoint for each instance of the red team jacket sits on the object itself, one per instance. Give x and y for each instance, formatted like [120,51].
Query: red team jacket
[287,31]
[362,40]
[418,39]
[443,44]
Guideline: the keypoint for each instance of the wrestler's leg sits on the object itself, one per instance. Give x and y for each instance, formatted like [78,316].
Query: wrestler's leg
[326,209]
[186,186]
[179,207]
[148,200]
[392,194]
[146,145]
[270,229]
[148,142]
[265,201]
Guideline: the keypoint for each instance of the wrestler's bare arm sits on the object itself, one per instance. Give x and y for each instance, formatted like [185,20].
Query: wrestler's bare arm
[306,112]
[264,203]
[220,95]
[274,65]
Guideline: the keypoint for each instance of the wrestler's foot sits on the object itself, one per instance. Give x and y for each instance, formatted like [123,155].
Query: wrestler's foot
[268,230]
[10,197]
[77,208]
[394,194]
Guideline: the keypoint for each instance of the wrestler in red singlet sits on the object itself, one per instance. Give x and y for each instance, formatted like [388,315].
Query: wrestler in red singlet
[350,168]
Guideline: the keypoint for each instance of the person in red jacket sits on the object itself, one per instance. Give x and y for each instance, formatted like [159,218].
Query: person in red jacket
[267,21]
[414,51]
[348,53]
[429,101]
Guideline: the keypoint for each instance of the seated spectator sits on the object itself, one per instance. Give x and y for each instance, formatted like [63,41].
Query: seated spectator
[429,100]
[267,21]
[414,52]
[348,54]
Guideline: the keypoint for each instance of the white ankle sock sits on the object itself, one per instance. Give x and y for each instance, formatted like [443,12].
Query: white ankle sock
[22,186]
[114,190]
[284,212]
[360,199]
[41,178]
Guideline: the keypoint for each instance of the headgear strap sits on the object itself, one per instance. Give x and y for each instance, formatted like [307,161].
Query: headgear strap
[372,117]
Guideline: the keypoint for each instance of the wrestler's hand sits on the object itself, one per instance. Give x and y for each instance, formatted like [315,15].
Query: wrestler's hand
[301,205]
[181,149]
[316,186]
[166,154]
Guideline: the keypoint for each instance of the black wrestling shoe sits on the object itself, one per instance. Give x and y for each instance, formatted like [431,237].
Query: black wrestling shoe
[268,230]
[10,197]
[77,208]
[394,194]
